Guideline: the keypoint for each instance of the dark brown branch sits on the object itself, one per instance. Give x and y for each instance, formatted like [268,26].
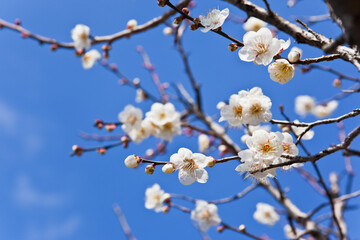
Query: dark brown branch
[307,61]
[295,31]
[98,39]
[220,32]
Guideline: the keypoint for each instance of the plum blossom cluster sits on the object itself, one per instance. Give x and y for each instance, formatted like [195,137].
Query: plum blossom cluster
[205,214]
[305,105]
[247,107]
[261,47]
[162,121]
[81,37]
[266,149]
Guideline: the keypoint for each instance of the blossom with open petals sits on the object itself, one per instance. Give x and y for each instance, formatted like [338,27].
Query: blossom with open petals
[289,149]
[252,164]
[254,24]
[90,58]
[326,109]
[233,113]
[131,118]
[266,214]
[304,105]
[165,119]
[214,19]
[281,71]
[260,47]
[80,35]
[251,128]
[257,107]
[247,107]
[267,146]
[154,198]
[206,214]
[190,165]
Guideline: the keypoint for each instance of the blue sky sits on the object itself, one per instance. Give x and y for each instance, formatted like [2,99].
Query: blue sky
[46,99]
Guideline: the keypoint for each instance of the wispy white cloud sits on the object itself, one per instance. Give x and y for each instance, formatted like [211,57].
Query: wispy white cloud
[26,195]
[62,230]
[8,118]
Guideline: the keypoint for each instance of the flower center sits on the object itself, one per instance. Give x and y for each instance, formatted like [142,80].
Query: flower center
[256,109]
[261,48]
[190,164]
[83,36]
[162,115]
[266,147]
[238,111]
[168,126]
[132,119]
[267,214]
[205,215]
[286,147]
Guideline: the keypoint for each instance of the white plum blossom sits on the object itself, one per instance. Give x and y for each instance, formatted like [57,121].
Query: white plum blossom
[233,113]
[168,130]
[204,142]
[281,71]
[252,164]
[260,47]
[155,197]
[89,58]
[162,113]
[298,130]
[254,24]
[267,146]
[266,214]
[214,19]
[326,109]
[257,107]
[294,54]
[206,214]
[166,119]
[304,105]
[146,129]
[250,129]
[251,107]
[131,118]
[289,149]
[80,35]
[190,165]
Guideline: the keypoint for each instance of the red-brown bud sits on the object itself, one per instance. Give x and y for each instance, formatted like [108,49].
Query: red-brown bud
[99,123]
[186,11]
[193,27]
[101,151]
[77,150]
[178,20]
[220,229]
[337,82]
[162,3]
[110,127]
[17,22]
[232,47]
[54,47]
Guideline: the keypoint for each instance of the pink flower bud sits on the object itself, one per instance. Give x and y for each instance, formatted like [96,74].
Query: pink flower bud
[149,169]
